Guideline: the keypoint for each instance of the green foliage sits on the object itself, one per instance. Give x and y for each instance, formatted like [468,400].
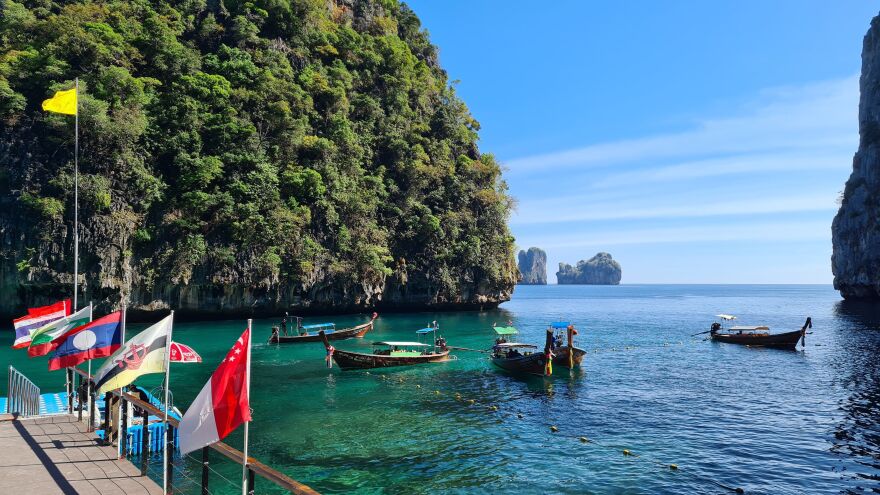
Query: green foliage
[269,136]
[46,208]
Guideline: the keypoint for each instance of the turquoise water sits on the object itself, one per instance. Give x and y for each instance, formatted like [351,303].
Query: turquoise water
[768,421]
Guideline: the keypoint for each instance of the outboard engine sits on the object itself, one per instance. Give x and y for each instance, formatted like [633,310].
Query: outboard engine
[715,328]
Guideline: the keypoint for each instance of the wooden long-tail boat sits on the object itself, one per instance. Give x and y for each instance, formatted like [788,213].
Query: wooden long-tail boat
[519,358]
[311,333]
[389,353]
[758,336]
[568,355]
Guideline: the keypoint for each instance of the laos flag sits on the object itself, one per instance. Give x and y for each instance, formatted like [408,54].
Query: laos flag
[96,339]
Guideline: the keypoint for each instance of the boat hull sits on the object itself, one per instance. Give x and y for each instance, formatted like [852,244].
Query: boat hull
[561,356]
[787,340]
[532,364]
[346,333]
[348,360]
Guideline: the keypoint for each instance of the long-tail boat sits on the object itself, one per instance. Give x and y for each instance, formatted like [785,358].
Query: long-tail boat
[757,336]
[566,355]
[311,333]
[521,358]
[390,353]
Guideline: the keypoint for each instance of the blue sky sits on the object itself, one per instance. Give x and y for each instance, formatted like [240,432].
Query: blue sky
[696,141]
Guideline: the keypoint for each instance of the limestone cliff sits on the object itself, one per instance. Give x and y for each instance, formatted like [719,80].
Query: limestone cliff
[855,231]
[243,159]
[533,267]
[598,270]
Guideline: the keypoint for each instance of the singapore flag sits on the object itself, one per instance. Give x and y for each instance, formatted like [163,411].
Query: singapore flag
[222,404]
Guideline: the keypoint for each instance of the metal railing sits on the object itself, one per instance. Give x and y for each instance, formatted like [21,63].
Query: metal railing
[24,396]
[254,467]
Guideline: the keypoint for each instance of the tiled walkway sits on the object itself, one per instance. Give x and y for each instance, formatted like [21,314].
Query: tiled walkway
[54,454]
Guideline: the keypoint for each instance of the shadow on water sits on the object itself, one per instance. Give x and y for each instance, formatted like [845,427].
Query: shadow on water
[857,434]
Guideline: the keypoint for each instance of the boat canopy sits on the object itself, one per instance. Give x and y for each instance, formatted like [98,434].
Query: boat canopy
[514,344]
[401,344]
[560,324]
[425,330]
[744,328]
[726,317]
[506,330]
[318,326]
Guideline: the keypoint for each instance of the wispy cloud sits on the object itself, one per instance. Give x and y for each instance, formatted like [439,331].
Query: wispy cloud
[763,232]
[767,173]
[811,117]
[581,209]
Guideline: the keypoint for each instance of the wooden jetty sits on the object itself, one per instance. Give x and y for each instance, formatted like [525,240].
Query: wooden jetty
[56,454]
[61,453]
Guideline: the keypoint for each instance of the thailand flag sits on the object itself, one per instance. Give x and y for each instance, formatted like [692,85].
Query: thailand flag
[222,404]
[36,318]
[99,338]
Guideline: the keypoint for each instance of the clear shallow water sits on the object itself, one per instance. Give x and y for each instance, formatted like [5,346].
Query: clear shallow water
[768,421]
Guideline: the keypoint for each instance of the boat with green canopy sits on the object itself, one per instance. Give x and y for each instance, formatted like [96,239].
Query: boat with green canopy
[392,353]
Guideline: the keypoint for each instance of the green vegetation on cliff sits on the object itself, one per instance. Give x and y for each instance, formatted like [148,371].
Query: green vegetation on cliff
[303,150]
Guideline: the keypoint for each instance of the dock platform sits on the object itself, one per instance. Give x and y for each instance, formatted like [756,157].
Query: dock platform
[55,454]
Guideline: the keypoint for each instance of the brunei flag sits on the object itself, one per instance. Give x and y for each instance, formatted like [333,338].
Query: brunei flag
[42,340]
[90,341]
[145,353]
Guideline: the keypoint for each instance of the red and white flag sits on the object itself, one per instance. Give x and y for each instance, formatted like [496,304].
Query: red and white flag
[223,403]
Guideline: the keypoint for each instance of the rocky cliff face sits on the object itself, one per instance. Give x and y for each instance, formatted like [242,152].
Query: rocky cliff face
[855,231]
[533,267]
[243,159]
[598,270]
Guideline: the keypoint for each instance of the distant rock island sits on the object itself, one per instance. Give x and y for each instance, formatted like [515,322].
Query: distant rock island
[855,231]
[598,270]
[533,267]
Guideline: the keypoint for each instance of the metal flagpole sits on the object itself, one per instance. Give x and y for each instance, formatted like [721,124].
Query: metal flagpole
[165,449]
[68,383]
[122,409]
[89,385]
[247,388]
[76,199]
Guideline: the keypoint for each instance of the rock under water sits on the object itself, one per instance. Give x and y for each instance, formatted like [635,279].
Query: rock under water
[598,270]
[533,266]
[855,231]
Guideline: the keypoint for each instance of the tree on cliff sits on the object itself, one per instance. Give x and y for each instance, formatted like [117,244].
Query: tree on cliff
[301,151]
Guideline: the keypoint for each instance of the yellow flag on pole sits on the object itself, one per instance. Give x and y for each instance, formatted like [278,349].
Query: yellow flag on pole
[63,102]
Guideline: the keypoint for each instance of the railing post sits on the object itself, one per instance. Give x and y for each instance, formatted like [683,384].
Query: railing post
[69,390]
[250,488]
[169,445]
[79,398]
[205,470]
[145,442]
[9,391]
[91,407]
[123,429]
[108,435]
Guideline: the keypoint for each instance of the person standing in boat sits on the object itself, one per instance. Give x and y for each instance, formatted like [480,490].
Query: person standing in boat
[284,323]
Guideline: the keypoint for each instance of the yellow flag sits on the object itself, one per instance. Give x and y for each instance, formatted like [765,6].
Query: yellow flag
[63,102]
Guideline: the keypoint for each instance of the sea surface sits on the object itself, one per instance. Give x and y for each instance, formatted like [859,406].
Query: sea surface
[766,421]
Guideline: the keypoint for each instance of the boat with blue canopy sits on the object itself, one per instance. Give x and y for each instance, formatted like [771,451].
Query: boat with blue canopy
[312,331]
[565,353]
